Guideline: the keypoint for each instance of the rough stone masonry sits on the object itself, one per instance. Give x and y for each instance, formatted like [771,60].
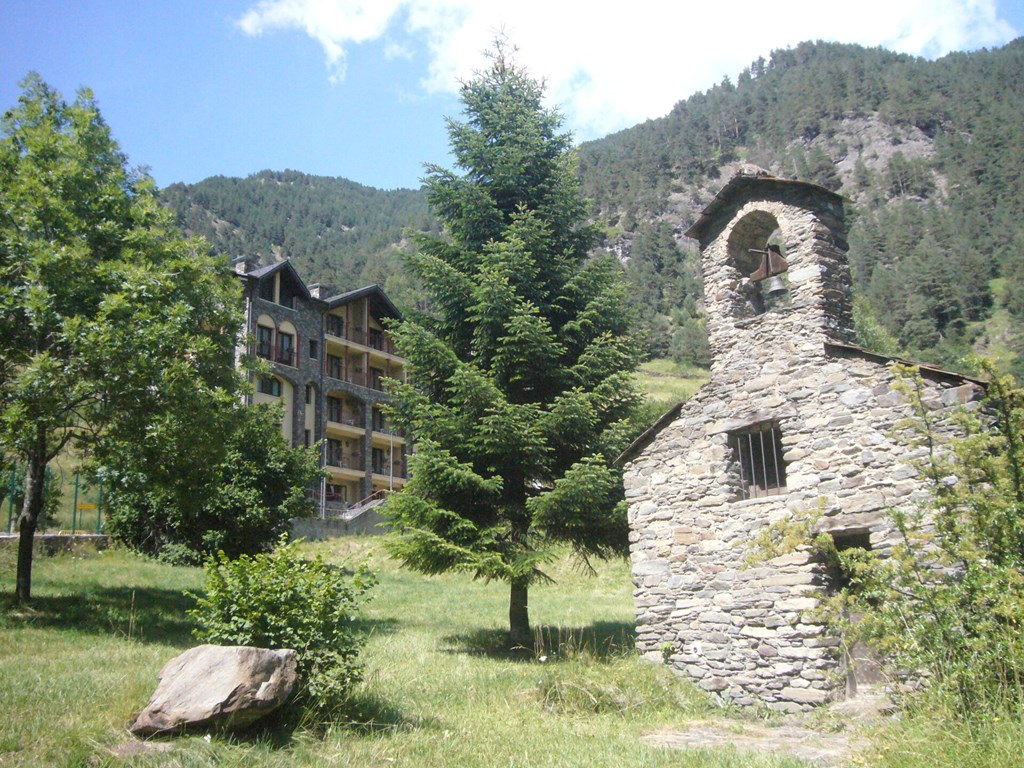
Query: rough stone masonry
[795,418]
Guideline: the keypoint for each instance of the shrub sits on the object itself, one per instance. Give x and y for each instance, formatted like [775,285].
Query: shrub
[237,495]
[280,600]
[948,599]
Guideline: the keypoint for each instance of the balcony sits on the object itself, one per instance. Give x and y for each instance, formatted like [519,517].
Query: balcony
[285,356]
[342,460]
[381,468]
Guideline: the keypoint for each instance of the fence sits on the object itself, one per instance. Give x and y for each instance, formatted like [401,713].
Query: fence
[78,506]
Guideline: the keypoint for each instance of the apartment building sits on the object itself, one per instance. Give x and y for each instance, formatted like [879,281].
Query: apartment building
[329,354]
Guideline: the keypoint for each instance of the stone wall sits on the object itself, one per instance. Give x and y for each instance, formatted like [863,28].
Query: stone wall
[745,631]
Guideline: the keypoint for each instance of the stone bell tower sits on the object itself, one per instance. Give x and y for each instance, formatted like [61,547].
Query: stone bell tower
[776,278]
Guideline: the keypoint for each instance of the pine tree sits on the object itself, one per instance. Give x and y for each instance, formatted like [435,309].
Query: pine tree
[521,376]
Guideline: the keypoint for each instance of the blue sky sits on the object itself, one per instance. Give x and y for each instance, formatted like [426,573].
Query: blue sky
[360,88]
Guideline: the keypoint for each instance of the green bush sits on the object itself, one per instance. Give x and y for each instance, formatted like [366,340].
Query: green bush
[235,494]
[948,599]
[280,600]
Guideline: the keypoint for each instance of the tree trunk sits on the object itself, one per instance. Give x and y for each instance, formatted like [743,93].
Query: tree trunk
[519,615]
[31,508]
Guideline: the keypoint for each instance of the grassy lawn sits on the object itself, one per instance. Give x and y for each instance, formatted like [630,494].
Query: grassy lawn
[668,383]
[78,666]
[438,690]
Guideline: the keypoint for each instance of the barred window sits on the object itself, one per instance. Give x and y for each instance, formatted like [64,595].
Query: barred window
[757,452]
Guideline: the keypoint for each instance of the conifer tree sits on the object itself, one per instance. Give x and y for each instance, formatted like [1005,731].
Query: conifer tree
[524,370]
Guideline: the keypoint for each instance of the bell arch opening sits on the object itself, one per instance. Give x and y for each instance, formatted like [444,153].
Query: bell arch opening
[756,250]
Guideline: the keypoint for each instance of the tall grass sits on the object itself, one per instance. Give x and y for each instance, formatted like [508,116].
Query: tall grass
[931,733]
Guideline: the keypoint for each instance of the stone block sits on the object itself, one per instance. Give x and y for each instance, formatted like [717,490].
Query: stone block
[804,695]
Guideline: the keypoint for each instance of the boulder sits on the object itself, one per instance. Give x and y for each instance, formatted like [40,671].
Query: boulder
[226,686]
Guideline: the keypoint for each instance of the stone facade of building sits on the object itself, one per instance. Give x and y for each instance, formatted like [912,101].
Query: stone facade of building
[328,354]
[794,419]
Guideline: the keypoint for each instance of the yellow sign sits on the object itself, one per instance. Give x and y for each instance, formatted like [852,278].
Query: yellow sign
[85,505]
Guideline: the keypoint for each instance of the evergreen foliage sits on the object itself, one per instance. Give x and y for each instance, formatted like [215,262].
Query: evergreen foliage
[930,231]
[929,152]
[525,365]
[335,231]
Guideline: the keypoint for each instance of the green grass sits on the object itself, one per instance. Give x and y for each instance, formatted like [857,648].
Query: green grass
[439,689]
[668,383]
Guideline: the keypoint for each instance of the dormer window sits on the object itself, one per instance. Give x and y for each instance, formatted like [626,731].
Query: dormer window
[757,457]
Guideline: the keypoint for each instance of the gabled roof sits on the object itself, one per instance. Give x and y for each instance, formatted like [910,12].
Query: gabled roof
[380,304]
[742,184]
[286,265]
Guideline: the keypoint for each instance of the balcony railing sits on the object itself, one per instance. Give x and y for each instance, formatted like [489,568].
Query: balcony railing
[374,339]
[285,356]
[350,419]
[265,349]
[381,468]
[345,460]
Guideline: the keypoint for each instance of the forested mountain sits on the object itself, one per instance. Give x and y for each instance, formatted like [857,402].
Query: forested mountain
[336,231]
[930,154]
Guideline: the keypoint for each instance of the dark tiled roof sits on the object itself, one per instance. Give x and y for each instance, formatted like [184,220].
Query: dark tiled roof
[378,300]
[269,269]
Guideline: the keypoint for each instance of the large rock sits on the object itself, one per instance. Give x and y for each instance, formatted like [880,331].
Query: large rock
[229,686]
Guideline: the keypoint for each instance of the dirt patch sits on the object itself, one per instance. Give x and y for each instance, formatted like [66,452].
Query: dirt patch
[816,747]
[789,737]
[134,747]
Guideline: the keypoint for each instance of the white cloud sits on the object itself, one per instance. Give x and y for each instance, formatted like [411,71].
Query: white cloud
[613,67]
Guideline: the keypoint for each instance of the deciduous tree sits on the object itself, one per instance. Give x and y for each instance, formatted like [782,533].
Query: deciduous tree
[108,316]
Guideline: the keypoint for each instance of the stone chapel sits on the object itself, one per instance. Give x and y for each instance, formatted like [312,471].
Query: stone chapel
[795,418]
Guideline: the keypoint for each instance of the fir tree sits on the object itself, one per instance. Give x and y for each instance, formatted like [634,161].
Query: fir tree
[523,372]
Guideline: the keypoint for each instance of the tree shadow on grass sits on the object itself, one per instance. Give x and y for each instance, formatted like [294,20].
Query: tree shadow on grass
[144,614]
[601,640]
[367,713]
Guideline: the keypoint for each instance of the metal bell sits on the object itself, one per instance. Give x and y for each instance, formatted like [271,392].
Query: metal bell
[774,287]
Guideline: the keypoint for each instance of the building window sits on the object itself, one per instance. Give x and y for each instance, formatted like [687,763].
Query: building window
[309,437]
[314,349]
[334,409]
[310,394]
[334,452]
[377,379]
[334,366]
[286,349]
[268,385]
[379,422]
[267,288]
[264,342]
[757,453]
[336,326]
[378,461]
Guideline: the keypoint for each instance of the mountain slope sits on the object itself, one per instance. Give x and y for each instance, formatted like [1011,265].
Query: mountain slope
[929,153]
